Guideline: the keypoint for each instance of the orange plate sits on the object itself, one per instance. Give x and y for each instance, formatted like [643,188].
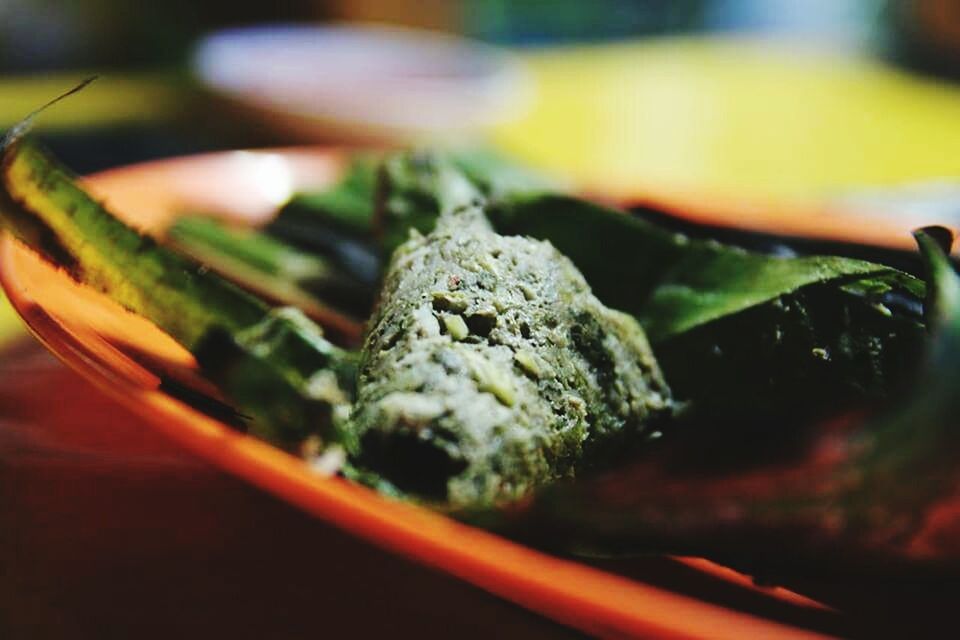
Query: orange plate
[83,329]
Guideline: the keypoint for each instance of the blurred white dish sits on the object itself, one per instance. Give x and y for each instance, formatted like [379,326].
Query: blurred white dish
[362,82]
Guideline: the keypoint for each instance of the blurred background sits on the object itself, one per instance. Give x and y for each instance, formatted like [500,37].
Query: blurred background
[751,111]
[760,101]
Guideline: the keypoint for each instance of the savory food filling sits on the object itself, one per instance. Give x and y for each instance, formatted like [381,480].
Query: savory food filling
[490,369]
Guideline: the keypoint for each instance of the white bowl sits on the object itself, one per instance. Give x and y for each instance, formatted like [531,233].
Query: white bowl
[366,82]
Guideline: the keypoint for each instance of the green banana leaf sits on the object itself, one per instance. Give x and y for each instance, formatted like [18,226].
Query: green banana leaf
[748,338]
[861,493]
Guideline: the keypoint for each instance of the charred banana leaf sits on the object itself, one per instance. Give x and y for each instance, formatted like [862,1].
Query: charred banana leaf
[227,329]
[747,338]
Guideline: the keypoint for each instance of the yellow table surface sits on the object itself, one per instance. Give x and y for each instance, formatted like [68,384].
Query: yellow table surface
[115,99]
[10,325]
[733,117]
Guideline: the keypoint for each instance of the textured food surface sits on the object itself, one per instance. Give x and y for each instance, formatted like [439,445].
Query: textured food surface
[490,368]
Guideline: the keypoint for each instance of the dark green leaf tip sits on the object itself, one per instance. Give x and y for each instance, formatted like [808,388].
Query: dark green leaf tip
[18,130]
